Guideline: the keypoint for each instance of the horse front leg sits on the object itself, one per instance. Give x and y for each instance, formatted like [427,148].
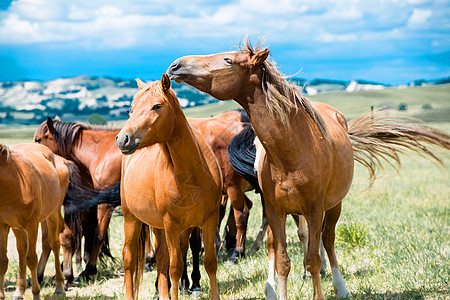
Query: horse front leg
[173,233]
[162,264]
[4,231]
[210,260]
[132,228]
[270,288]
[328,235]
[313,262]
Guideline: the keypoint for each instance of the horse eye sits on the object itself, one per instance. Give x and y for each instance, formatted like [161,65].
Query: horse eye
[156,106]
[228,61]
[37,140]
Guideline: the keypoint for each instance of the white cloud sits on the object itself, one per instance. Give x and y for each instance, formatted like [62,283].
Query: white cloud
[109,24]
[419,18]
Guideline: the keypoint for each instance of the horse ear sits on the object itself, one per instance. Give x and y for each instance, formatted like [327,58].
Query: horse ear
[57,118]
[140,84]
[165,82]
[50,124]
[259,57]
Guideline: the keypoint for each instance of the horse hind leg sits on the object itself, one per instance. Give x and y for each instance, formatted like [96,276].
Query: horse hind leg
[45,252]
[4,230]
[302,233]
[241,208]
[328,236]
[67,244]
[195,242]
[54,230]
[22,246]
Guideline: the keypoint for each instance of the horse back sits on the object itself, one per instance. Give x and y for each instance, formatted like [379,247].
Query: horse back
[35,192]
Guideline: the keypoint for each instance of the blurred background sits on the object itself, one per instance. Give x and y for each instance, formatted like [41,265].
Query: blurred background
[78,58]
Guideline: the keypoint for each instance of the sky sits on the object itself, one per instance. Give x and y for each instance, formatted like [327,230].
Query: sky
[388,41]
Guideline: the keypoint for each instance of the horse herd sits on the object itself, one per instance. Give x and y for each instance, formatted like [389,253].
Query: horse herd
[175,175]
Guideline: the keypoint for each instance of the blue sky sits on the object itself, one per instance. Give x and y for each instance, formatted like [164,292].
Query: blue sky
[390,41]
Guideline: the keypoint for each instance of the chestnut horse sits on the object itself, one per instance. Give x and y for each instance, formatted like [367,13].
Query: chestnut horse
[94,153]
[31,193]
[77,196]
[307,167]
[171,182]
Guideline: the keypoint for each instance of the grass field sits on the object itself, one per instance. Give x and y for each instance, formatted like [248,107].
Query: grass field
[404,254]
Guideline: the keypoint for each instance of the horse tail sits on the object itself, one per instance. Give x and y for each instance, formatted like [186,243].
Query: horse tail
[242,153]
[105,251]
[81,198]
[377,137]
[139,271]
[76,186]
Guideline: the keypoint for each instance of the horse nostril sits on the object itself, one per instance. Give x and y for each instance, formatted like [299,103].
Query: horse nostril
[126,141]
[175,65]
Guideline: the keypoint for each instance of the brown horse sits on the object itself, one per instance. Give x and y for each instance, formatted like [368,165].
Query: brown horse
[171,182]
[95,154]
[31,193]
[77,196]
[309,155]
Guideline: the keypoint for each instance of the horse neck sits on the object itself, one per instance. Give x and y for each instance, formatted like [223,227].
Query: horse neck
[183,149]
[287,147]
[88,151]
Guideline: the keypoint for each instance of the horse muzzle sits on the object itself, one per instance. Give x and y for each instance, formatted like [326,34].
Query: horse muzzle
[126,144]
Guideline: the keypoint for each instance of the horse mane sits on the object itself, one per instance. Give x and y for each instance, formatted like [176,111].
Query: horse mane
[67,134]
[244,116]
[282,96]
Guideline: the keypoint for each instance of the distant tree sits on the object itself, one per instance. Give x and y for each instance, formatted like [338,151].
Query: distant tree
[96,119]
[402,106]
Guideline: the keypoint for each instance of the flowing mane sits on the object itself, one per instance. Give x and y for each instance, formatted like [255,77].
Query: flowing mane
[282,96]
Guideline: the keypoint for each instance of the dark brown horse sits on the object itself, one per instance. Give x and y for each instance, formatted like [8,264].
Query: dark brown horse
[32,192]
[307,167]
[172,181]
[94,153]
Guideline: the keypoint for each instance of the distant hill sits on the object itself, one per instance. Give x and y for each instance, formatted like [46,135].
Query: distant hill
[30,102]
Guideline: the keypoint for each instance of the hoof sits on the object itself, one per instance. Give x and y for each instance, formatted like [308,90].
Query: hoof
[271,293]
[18,298]
[195,293]
[156,296]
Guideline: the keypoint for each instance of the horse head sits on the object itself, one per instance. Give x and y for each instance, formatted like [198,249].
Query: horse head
[223,75]
[45,134]
[152,117]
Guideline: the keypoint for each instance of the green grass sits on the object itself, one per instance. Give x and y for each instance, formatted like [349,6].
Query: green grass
[405,253]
